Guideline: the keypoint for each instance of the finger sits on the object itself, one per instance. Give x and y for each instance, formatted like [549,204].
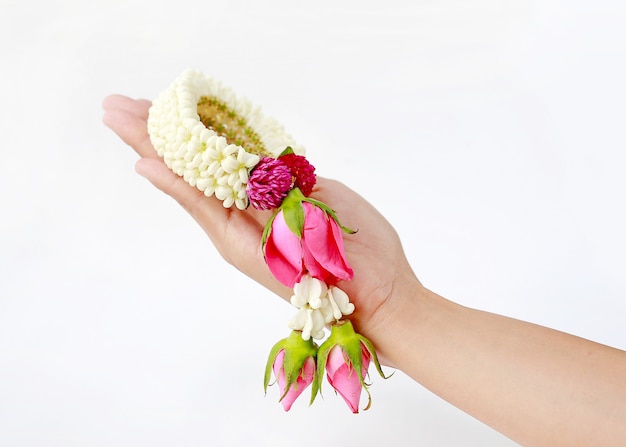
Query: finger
[131,129]
[138,107]
[118,113]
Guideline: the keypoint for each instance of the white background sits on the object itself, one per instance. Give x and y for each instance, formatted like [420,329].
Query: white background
[489,132]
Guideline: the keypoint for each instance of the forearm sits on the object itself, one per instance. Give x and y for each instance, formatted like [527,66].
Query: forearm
[535,385]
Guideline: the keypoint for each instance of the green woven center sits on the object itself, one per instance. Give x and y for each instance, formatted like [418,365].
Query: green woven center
[215,115]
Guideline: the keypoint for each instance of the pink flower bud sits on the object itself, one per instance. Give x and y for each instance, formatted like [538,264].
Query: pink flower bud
[343,378]
[317,249]
[292,360]
[346,357]
[290,392]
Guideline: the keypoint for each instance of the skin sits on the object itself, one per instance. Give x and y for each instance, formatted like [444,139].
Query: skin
[538,386]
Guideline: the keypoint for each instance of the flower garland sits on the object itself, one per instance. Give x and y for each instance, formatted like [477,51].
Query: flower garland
[222,145]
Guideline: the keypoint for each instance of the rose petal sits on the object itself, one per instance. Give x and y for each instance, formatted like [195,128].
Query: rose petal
[343,378]
[322,246]
[283,252]
[305,378]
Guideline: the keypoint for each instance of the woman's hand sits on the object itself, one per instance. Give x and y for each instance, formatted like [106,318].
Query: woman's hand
[537,386]
[374,252]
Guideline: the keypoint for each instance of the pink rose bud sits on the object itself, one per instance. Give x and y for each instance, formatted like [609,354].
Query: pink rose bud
[346,357]
[305,237]
[290,392]
[293,362]
[342,377]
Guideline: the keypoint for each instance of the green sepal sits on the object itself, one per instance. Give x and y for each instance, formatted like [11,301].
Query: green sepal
[373,357]
[288,150]
[322,356]
[343,335]
[268,229]
[330,212]
[270,363]
[297,351]
[293,212]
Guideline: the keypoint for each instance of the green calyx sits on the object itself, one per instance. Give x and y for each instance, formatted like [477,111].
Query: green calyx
[330,212]
[217,116]
[293,213]
[287,151]
[343,335]
[297,351]
[294,198]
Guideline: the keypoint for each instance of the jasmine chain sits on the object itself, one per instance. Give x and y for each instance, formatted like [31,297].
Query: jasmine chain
[318,306]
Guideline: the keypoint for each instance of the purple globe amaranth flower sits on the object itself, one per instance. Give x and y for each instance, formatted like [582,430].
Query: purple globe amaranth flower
[269,183]
[346,356]
[293,362]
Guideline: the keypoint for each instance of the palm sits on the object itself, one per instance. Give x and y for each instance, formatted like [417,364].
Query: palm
[374,251]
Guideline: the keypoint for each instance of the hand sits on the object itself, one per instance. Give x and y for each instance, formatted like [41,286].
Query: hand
[535,385]
[375,252]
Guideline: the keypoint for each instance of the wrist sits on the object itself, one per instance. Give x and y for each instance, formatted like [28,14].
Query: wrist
[395,322]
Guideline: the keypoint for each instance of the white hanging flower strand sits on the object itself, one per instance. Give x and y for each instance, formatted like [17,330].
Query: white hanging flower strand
[211,137]
[318,306]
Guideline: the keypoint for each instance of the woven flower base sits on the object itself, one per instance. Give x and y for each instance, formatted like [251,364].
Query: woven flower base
[212,138]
